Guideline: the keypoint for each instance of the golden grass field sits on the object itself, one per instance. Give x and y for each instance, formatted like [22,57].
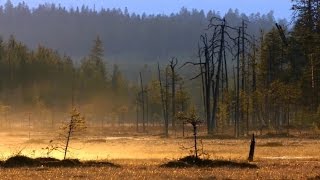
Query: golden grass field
[140,156]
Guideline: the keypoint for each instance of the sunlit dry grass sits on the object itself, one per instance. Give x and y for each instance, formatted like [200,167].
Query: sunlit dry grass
[140,157]
[140,169]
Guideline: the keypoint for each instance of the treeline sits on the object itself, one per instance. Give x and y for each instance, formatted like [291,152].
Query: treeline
[127,36]
[289,71]
[275,79]
[272,82]
[46,84]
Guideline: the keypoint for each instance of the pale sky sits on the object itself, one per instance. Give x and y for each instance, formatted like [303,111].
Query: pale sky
[281,8]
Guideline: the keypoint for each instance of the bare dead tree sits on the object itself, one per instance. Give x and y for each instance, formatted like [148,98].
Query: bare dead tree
[142,103]
[167,101]
[163,102]
[243,71]
[243,66]
[234,102]
[243,41]
[226,70]
[221,43]
[213,67]
[173,64]
[216,91]
[237,120]
[147,105]
[207,82]
[137,111]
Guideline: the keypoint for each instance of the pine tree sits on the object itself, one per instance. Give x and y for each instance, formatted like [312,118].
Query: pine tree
[93,71]
[96,56]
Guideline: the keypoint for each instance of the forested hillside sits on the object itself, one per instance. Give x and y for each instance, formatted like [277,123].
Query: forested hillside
[127,36]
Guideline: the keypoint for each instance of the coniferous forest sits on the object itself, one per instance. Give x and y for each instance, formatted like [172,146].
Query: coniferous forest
[244,71]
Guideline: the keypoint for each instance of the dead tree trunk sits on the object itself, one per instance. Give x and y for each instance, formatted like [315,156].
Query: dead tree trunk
[173,90]
[252,147]
[142,104]
[226,70]
[147,106]
[163,103]
[243,75]
[213,51]
[254,85]
[137,111]
[203,81]
[216,92]
[234,102]
[237,123]
[207,84]
[167,102]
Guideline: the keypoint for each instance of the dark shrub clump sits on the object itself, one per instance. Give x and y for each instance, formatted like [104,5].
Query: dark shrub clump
[192,161]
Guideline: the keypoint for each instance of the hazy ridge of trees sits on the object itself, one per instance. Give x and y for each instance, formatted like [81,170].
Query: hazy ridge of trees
[126,36]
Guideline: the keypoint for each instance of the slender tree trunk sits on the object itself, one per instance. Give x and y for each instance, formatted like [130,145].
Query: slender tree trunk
[238,89]
[68,138]
[216,92]
[137,110]
[147,107]
[254,100]
[234,104]
[163,102]
[195,140]
[142,101]
[222,80]
[173,91]
[243,74]
[202,81]
[167,103]
[226,69]
[243,66]
[207,85]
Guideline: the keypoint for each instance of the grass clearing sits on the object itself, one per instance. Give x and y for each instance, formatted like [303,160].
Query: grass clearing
[141,157]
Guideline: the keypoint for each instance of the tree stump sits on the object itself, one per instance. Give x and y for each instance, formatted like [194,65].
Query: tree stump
[252,146]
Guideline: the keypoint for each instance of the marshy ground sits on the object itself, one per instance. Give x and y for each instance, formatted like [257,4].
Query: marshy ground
[142,156]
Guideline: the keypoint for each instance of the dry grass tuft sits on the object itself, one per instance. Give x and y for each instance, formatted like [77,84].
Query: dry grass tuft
[192,161]
[23,161]
[20,161]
